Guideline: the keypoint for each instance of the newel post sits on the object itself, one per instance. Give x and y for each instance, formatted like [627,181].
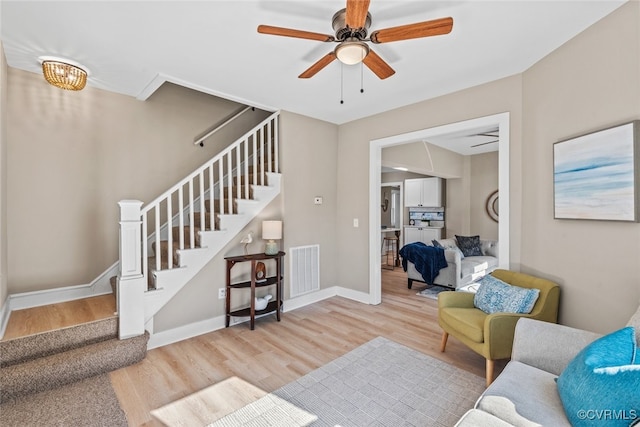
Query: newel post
[131,282]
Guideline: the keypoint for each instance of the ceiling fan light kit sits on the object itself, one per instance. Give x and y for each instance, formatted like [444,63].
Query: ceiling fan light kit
[352,51]
[64,73]
[351,26]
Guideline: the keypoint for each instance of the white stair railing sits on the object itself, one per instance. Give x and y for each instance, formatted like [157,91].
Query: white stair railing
[175,214]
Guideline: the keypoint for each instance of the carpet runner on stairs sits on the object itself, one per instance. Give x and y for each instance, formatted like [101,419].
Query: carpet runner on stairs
[52,359]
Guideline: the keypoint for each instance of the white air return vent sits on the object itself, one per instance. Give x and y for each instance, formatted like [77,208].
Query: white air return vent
[305,270]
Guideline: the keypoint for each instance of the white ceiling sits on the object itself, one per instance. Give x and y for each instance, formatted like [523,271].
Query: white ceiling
[213,46]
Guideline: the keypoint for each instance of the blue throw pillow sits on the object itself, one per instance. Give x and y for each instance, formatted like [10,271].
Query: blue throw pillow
[601,385]
[437,244]
[496,296]
[469,245]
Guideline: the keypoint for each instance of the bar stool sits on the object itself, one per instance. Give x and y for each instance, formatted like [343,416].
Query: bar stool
[392,245]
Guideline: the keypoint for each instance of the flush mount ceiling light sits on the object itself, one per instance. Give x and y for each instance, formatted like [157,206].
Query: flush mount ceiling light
[64,73]
[352,51]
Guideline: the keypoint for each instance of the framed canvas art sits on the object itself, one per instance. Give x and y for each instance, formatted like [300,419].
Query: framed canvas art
[595,176]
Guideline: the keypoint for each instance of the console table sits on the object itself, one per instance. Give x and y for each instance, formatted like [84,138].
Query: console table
[275,280]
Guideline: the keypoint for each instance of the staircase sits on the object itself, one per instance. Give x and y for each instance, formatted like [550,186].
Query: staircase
[164,244]
[53,359]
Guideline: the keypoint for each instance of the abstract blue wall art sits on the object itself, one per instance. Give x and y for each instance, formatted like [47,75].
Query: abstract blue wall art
[595,176]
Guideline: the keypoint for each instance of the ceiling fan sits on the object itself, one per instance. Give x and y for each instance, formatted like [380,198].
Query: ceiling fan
[351,26]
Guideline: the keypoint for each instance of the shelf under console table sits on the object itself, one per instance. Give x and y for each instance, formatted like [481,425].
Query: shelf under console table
[276,280]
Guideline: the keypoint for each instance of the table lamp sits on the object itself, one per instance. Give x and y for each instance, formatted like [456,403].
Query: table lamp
[271,230]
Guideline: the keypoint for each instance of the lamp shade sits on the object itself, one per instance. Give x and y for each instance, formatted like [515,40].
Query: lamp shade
[272,230]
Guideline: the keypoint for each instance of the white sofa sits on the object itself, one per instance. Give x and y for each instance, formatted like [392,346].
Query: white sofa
[525,393]
[460,271]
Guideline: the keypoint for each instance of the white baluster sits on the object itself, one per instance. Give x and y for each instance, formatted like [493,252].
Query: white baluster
[158,250]
[211,207]
[269,148]
[277,143]
[181,217]
[192,237]
[169,233]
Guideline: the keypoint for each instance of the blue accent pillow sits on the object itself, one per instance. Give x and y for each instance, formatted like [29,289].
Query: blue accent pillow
[496,296]
[469,245]
[436,244]
[601,385]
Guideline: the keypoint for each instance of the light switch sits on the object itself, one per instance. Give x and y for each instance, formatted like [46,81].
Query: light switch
[356,223]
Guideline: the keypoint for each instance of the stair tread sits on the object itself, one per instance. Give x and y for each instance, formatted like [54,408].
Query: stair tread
[58,369]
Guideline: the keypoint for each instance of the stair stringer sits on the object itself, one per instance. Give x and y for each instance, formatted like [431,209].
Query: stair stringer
[169,282]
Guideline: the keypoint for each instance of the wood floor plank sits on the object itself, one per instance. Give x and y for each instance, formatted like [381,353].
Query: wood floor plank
[273,354]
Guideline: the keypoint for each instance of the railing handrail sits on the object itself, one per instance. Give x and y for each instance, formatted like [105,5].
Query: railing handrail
[207,164]
[217,128]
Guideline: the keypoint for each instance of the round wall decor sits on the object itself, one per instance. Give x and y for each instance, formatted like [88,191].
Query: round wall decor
[492,206]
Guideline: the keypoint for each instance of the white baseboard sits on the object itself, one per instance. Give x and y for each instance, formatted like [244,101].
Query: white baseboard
[213,324]
[99,286]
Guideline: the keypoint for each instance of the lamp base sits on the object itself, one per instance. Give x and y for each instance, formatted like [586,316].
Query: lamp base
[271,248]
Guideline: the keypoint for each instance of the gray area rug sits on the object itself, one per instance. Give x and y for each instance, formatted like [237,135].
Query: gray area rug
[267,411]
[383,383]
[90,402]
[433,291]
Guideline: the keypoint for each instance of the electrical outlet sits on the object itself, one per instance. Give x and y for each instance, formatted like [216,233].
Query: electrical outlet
[317,200]
[222,293]
[356,223]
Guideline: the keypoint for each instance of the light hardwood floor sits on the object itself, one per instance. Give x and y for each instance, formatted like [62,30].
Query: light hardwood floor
[276,353]
[55,316]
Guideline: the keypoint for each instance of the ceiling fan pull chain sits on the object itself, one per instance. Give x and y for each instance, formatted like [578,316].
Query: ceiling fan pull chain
[361,77]
[341,84]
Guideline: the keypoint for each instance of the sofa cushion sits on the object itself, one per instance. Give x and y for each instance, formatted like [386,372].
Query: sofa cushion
[477,264]
[469,245]
[476,417]
[518,394]
[635,322]
[603,378]
[496,296]
[468,321]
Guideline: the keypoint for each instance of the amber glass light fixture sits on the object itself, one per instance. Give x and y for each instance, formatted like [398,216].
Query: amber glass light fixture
[64,74]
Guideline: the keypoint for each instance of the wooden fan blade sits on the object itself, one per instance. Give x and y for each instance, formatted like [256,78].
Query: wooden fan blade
[319,65]
[413,31]
[379,67]
[356,14]
[288,32]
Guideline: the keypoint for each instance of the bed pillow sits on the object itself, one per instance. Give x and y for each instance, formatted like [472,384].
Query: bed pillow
[600,385]
[469,245]
[496,296]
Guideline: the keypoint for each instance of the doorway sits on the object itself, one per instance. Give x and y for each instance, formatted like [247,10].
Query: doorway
[501,121]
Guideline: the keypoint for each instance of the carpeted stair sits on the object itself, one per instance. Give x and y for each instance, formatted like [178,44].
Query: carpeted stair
[53,359]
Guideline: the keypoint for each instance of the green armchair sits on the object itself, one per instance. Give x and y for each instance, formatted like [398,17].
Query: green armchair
[491,335]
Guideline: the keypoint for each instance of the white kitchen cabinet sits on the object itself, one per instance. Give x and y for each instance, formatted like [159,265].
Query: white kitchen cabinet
[421,234]
[423,192]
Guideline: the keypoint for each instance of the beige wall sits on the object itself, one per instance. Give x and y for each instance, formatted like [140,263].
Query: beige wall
[308,149]
[309,152]
[74,155]
[353,162]
[591,82]
[483,182]
[3,178]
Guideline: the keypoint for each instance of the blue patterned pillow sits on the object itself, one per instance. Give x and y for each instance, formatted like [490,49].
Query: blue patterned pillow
[469,245]
[600,386]
[436,244]
[496,296]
